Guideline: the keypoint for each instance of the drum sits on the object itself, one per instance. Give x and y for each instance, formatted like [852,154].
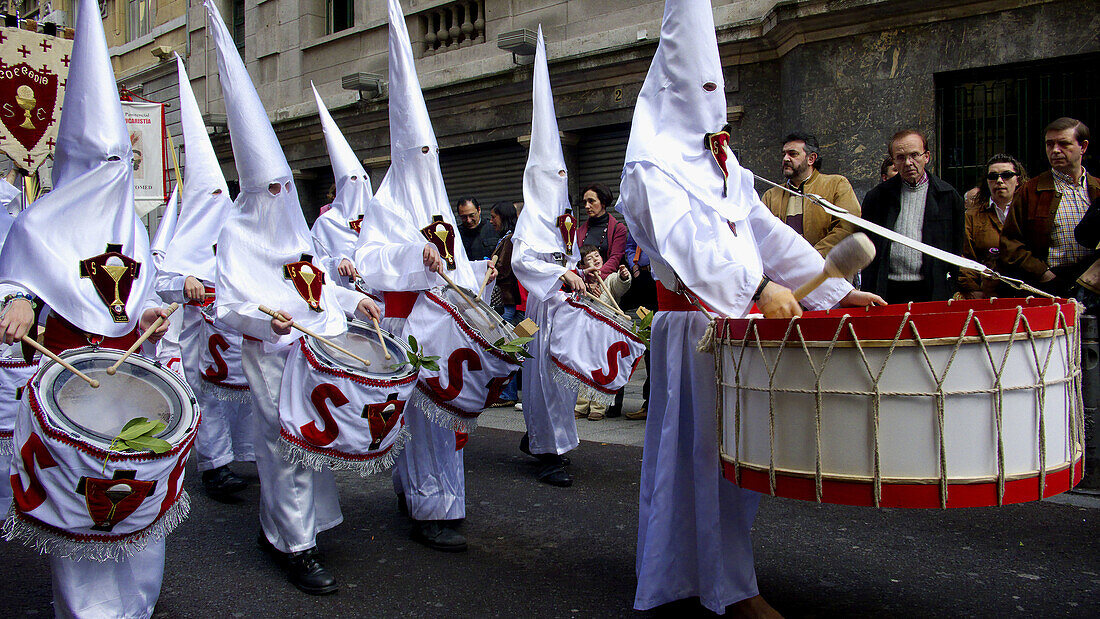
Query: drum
[14,374]
[945,404]
[222,375]
[593,349]
[335,412]
[473,371]
[73,495]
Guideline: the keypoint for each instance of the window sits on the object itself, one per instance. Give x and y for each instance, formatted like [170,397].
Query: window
[139,15]
[238,25]
[341,15]
[1003,109]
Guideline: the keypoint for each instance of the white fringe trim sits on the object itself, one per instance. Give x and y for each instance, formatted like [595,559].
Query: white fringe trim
[583,389]
[48,542]
[296,454]
[441,416]
[7,447]
[225,394]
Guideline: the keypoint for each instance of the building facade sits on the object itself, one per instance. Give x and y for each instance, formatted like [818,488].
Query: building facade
[976,77]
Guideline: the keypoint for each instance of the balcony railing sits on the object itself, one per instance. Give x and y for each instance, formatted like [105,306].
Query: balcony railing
[455,25]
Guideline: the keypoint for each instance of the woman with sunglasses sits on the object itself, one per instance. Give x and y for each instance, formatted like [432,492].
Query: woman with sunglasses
[985,215]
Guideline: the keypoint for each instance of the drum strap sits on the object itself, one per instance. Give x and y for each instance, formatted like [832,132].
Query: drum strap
[399,304]
[62,335]
[669,301]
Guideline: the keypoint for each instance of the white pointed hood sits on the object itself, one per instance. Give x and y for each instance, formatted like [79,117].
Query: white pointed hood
[337,229]
[58,248]
[263,244]
[166,230]
[682,100]
[545,190]
[206,204]
[412,192]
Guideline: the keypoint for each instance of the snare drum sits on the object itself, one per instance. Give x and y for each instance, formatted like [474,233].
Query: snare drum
[472,370]
[72,496]
[14,374]
[945,404]
[335,412]
[593,350]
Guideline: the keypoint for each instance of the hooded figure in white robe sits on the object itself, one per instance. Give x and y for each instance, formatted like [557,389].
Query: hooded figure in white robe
[264,257]
[541,258]
[55,250]
[167,350]
[428,475]
[709,235]
[336,231]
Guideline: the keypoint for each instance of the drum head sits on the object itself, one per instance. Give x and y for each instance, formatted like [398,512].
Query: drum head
[491,326]
[600,309]
[140,388]
[362,339]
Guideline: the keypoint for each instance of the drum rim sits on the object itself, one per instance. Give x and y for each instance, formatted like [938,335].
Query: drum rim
[43,411]
[364,376]
[470,330]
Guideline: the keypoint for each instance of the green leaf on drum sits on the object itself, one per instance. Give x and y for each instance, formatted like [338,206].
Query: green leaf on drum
[432,365]
[149,443]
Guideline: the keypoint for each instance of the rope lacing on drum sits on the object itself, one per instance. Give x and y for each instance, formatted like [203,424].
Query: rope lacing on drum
[817,396]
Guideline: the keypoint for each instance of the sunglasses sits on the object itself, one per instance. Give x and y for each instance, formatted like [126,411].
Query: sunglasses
[1004,176]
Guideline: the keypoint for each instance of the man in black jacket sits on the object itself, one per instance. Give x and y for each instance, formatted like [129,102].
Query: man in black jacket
[921,206]
[478,238]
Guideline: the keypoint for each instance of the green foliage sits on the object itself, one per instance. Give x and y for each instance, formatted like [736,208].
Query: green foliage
[417,359]
[139,434]
[642,327]
[517,347]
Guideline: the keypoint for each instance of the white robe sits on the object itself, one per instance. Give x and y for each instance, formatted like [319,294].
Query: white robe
[429,472]
[693,525]
[547,406]
[108,589]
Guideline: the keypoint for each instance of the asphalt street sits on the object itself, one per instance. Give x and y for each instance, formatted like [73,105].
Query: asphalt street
[539,551]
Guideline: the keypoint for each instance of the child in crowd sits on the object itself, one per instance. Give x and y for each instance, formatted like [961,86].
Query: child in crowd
[617,283]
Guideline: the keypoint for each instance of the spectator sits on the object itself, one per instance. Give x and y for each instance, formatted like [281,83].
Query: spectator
[887,170]
[1038,244]
[478,239]
[329,197]
[802,169]
[602,230]
[985,216]
[617,283]
[921,206]
[506,293]
[642,293]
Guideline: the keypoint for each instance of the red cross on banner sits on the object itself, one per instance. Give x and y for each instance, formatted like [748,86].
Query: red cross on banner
[32,86]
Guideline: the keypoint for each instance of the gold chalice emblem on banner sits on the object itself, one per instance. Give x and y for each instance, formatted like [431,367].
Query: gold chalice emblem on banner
[24,97]
[116,271]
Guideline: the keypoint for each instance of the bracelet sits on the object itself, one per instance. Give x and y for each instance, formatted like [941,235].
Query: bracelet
[17,295]
[764,281]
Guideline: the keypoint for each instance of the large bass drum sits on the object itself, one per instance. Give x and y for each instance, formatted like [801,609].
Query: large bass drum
[946,404]
[73,495]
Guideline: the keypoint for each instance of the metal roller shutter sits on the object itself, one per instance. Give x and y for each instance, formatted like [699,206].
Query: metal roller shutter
[600,155]
[489,172]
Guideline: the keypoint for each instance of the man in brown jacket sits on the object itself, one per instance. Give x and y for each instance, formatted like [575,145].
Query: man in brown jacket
[1037,243]
[801,168]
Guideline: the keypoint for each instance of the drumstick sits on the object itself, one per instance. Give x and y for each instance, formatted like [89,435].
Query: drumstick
[461,293]
[607,289]
[381,341]
[604,303]
[141,340]
[492,263]
[844,260]
[65,364]
[323,340]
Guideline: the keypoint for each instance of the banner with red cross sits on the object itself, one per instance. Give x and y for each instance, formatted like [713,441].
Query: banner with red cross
[33,71]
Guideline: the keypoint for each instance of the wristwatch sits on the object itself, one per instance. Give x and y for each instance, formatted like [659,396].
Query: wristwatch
[764,281]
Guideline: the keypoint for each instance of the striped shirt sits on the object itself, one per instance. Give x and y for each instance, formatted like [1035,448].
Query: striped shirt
[1072,205]
[905,262]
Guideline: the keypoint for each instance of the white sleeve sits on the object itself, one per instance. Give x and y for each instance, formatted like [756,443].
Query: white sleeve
[539,277]
[347,298]
[383,266]
[170,287]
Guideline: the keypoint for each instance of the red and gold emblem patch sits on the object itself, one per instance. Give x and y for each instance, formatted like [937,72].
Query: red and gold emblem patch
[356,225]
[112,274]
[308,280]
[567,226]
[381,417]
[719,146]
[442,235]
[110,501]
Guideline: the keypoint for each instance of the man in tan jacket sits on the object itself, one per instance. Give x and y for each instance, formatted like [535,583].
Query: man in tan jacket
[801,168]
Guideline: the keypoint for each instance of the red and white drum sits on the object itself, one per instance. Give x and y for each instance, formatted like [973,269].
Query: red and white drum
[472,370]
[222,375]
[14,374]
[592,349]
[335,412]
[73,496]
[945,404]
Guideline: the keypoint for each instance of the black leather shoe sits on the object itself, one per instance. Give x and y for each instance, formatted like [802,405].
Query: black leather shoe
[305,571]
[221,482]
[555,475]
[525,444]
[402,505]
[438,536]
